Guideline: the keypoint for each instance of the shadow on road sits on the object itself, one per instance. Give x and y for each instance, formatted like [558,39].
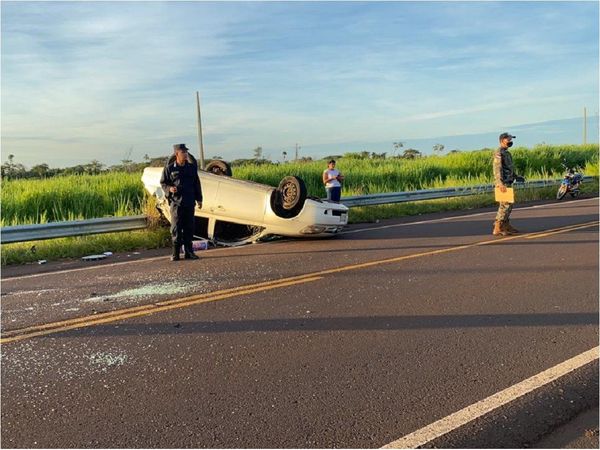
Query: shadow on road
[468,227]
[345,250]
[375,323]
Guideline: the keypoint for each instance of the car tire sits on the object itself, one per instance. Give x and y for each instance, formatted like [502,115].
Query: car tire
[219,167]
[288,199]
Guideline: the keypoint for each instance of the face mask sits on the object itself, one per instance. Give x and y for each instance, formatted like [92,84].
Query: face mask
[509,144]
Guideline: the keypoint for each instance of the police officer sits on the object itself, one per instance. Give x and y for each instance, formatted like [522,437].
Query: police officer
[504,177]
[181,184]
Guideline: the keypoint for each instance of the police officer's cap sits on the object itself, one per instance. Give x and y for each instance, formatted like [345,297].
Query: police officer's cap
[180,147]
[506,136]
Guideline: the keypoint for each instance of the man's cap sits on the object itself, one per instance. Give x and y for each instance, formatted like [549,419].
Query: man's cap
[180,147]
[506,136]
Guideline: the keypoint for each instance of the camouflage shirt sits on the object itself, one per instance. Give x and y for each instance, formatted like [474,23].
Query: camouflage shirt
[504,171]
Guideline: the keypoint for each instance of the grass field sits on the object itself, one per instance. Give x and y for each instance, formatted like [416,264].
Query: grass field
[71,197]
[121,194]
[458,169]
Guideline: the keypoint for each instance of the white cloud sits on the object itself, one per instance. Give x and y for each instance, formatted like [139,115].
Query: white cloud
[84,79]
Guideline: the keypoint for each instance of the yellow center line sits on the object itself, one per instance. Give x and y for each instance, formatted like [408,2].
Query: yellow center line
[558,231]
[137,311]
[455,248]
[87,321]
[233,291]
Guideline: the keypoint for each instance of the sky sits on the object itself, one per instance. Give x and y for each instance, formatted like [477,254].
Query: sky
[118,80]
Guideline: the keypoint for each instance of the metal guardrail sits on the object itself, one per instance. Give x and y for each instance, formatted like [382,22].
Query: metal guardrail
[23,233]
[431,194]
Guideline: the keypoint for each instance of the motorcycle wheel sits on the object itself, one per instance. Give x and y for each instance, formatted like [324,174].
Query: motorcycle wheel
[574,194]
[562,191]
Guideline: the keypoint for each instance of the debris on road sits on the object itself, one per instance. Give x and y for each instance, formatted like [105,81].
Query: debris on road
[106,360]
[200,244]
[93,257]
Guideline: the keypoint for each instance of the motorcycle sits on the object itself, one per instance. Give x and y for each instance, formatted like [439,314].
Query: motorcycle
[570,183]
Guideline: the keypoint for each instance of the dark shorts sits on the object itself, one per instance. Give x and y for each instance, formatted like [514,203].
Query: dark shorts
[334,194]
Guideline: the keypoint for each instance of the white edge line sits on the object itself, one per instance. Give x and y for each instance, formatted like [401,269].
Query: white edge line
[360,230]
[476,410]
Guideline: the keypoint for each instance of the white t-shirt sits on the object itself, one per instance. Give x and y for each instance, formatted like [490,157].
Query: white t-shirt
[332,174]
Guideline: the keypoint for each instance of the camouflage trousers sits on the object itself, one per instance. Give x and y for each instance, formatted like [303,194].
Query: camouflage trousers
[504,209]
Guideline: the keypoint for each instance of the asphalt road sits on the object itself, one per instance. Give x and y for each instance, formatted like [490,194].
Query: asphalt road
[581,432]
[348,342]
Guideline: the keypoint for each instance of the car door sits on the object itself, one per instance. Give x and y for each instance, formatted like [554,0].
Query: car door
[241,201]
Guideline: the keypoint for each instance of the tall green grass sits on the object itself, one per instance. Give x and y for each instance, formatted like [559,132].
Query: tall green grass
[371,176]
[71,197]
[120,194]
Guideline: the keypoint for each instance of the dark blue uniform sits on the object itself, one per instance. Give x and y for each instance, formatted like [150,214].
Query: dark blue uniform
[181,203]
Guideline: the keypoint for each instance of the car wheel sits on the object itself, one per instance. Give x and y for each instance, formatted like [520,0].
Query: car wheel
[289,197]
[219,167]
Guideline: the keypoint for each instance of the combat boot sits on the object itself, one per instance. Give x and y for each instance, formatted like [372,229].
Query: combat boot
[499,229]
[508,227]
[175,254]
[189,252]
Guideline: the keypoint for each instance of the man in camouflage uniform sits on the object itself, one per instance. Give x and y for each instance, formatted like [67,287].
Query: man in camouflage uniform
[504,177]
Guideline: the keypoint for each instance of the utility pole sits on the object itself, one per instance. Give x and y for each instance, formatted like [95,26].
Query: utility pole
[200,141]
[297,148]
[584,126]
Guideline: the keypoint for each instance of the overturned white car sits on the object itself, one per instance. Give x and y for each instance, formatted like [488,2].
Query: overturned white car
[237,211]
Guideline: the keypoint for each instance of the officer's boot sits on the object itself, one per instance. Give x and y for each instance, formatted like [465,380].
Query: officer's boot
[499,229]
[508,227]
[189,252]
[505,229]
[175,254]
